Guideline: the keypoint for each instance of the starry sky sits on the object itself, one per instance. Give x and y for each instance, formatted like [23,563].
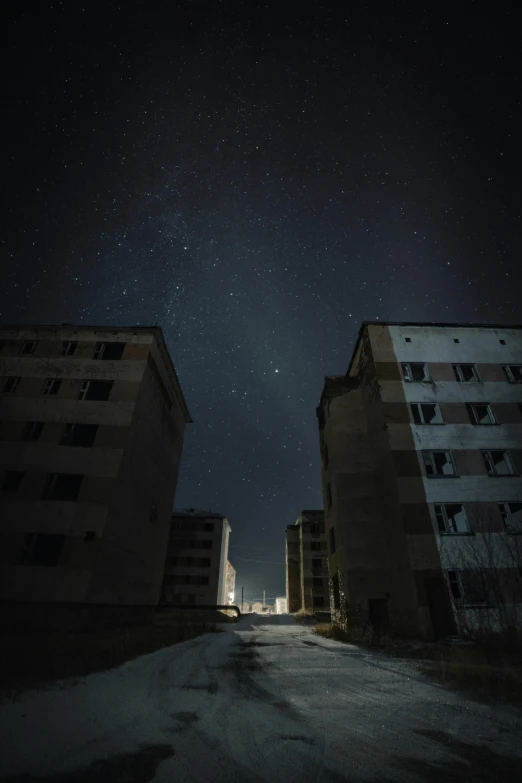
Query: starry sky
[257,179]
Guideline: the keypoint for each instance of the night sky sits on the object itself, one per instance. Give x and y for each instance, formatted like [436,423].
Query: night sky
[258,179]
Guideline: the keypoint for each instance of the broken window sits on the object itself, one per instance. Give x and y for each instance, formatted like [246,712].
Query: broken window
[498,463]
[95,390]
[62,486]
[415,372]
[451,518]
[42,550]
[12,480]
[69,347]
[10,385]
[51,387]
[79,435]
[466,373]
[438,463]
[29,347]
[467,587]
[108,351]
[513,372]
[32,430]
[426,413]
[480,413]
[511,516]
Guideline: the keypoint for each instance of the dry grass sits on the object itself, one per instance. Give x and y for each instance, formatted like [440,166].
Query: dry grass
[484,672]
[34,658]
[304,616]
[472,670]
[356,634]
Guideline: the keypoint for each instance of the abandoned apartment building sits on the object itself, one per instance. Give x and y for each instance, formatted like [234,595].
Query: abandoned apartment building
[197,556]
[421,445]
[306,564]
[92,422]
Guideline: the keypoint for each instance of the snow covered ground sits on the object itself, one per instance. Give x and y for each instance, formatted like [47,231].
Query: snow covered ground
[264,701]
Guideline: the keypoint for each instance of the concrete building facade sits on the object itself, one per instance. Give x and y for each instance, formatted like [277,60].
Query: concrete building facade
[230,588]
[281,605]
[196,564]
[92,422]
[306,564]
[421,445]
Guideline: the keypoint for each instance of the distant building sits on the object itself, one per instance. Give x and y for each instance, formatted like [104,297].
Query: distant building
[306,564]
[421,446]
[92,422]
[196,562]
[281,606]
[257,606]
[230,588]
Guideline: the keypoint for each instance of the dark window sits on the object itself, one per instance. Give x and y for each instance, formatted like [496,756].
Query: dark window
[62,486]
[79,435]
[451,518]
[455,586]
[314,529]
[465,373]
[90,535]
[473,585]
[415,372]
[438,463]
[95,390]
[318,600]
[42,550]
[407,339]
[315,546]
[32,430]
[205,544]
[456,340]
[317,563]
[513,372]
[108,351]
[426,413]
[69,347]
[332,540]
[498,463]
[502,342]
[29,347]
[2,345]
[204,562]
[480,413]
[208,527]
[512,516]
[10,385]
[203,580]
[12,480]
[51,387]
[318,583]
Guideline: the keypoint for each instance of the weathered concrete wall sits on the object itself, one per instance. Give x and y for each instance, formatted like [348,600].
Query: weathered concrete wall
[191,542]
[293,569]
[117,528]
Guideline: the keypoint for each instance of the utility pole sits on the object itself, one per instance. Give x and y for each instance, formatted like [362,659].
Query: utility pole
[264,602]
[241,600]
